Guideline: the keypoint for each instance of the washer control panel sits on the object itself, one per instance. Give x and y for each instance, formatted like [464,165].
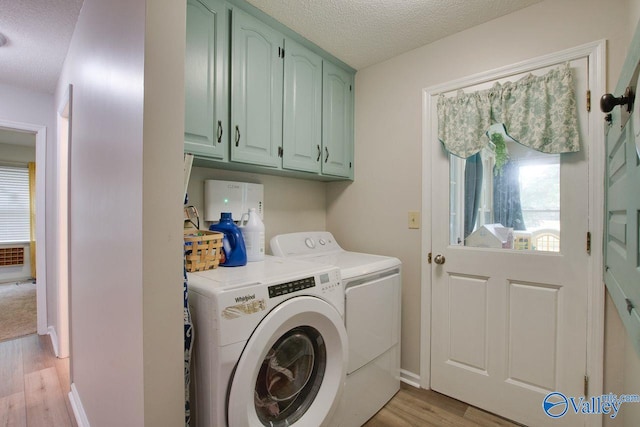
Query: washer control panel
[322,283]
[289,287]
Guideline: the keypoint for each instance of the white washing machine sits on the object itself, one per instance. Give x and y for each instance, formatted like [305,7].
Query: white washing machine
[270,344]
[372,317]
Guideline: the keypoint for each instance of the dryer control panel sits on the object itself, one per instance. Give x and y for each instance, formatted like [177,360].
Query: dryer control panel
[304,243]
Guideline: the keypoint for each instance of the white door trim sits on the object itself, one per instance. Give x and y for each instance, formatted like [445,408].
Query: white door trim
[41,260]
[62,190]
[596,54]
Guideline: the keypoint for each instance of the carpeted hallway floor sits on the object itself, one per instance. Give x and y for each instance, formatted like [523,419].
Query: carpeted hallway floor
[17,309]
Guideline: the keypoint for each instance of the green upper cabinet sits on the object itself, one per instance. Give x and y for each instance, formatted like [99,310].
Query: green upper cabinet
[302,110]
[206,84]
[256,91]
[337,121]
[260,98]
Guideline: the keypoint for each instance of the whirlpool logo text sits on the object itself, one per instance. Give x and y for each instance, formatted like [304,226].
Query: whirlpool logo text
[556,404]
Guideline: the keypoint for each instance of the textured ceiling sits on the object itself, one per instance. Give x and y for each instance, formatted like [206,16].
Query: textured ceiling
[38,33]
[359,32]
[364,32]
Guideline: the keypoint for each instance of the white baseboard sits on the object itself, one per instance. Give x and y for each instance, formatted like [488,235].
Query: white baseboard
[78,410]
[51,331]
[410,378]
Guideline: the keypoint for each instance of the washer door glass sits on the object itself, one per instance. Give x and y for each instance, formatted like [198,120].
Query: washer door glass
[290,377]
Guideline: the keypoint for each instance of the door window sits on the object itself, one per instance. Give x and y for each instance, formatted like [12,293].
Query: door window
[290,377]
[507,197]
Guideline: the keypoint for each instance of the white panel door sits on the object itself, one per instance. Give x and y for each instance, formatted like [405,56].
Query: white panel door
[510,326]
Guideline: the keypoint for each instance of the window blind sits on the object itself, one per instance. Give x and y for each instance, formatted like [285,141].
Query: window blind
[14,204]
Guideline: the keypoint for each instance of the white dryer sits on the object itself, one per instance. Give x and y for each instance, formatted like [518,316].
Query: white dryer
[372,318]
[270,344]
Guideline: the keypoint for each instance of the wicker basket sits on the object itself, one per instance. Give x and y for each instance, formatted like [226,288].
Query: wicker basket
[202,250]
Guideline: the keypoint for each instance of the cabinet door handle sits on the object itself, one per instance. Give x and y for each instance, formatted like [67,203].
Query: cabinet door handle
[319,153]
[219,131]
[326,152]
[237,136]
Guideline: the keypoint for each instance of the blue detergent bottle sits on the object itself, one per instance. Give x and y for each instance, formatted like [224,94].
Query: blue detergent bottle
[232,243]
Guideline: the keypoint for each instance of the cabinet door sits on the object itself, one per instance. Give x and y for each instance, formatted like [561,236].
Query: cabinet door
[337,121]
[622,201]
[206,113]
[302,121]
[256,91]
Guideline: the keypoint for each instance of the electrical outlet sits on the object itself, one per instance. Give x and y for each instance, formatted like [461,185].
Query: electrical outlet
[414,219]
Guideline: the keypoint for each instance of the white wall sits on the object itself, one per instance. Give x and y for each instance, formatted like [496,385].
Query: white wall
[388,120]
[631,373]
[18,153]
[290,205]
[124,62]
[621,367]
[162,214]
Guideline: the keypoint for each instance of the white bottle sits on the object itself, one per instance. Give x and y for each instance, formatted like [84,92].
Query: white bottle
[253,235]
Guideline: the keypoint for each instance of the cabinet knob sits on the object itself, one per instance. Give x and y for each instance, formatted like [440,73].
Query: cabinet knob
[319,153]
[237,136]
[326,152]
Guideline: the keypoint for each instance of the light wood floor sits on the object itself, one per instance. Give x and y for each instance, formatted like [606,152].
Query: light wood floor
[412,407]
[34,384]
[34,387]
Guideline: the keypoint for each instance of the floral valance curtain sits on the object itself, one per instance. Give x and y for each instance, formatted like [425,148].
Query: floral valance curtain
[537,111]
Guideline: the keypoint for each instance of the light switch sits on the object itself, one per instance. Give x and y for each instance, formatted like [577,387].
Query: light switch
[414,219]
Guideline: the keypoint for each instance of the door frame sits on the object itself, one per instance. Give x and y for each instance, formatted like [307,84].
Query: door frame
[595,52]
[61,339]
[40,132]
